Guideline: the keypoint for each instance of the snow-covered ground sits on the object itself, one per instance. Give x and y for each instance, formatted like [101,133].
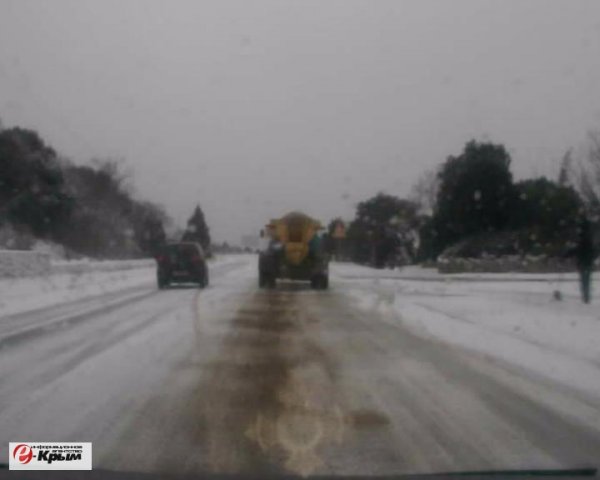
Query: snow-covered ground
[510,317]
[69,281]
[514,318]
[138,370]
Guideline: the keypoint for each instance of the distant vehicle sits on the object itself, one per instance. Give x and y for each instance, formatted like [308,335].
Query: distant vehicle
[293,251]
[183,262]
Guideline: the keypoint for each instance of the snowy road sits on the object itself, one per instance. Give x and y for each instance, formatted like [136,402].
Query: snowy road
[233,379]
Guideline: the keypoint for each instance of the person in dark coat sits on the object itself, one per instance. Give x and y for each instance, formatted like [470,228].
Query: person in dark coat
[584,256]
[314,246]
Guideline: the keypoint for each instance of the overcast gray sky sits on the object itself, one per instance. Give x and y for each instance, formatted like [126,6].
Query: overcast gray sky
[252,108]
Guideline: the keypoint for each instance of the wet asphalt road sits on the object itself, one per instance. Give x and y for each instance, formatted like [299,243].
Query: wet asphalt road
[233,379]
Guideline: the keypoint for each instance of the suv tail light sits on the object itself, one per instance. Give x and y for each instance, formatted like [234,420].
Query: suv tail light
[196,259]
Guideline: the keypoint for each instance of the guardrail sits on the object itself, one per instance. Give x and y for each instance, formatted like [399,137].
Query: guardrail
[22,263]
[85,266]
[505,265]
[26,263]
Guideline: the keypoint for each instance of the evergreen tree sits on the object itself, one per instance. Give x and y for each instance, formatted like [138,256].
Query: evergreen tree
[382,226]
[547,215]
[197,230]
[32,187]
[475,193]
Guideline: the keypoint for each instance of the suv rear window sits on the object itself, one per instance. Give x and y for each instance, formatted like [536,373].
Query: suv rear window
[185,251]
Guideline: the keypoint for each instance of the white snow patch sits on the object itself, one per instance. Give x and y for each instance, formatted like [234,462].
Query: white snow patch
[22,263]
[69,281]
[512,317]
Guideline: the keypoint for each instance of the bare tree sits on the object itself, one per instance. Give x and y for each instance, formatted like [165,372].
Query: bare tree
[115,170]
[589,177]
[566,173]
[424,191]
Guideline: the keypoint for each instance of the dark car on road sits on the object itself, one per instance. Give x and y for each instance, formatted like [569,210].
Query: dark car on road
[183,262]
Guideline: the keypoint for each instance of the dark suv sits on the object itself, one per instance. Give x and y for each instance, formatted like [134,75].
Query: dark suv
[183,262]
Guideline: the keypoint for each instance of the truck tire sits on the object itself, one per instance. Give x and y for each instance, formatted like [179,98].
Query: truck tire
[162,283]
[319,282]
[266,280]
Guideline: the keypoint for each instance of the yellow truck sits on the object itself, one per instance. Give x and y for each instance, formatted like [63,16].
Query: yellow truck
[294,252]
